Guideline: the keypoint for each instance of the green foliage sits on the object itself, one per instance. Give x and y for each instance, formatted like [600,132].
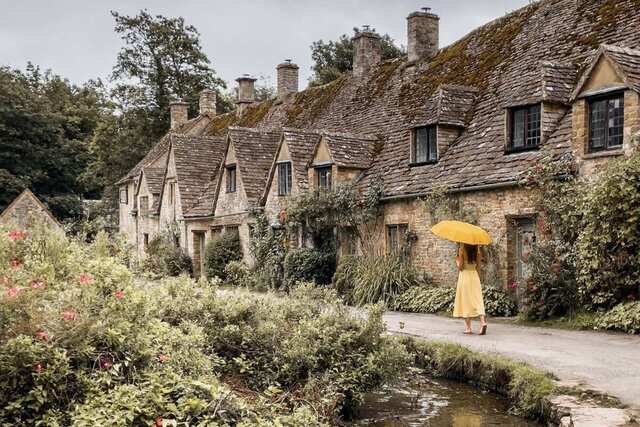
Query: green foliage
[45,127]
[269,250]
[498,303]
[332,58]
[309,265]
[442,205]
[80,344]
[220,251]
[164,258]
[370,279]
[527,387]
[624,317]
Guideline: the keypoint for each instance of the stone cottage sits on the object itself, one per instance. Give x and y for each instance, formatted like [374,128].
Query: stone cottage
[553,80]
[27,210]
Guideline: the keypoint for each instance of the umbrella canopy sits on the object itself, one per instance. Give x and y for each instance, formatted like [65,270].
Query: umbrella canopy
[461,232]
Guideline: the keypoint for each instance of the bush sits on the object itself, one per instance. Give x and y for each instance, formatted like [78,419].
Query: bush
[220,251]
[236,273]
[164,258]
[368,280]
[623,317]
[309,265]
[420,299]
[551,290]
[498,303]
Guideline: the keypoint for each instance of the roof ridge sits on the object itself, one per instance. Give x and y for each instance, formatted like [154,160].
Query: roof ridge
[620,49]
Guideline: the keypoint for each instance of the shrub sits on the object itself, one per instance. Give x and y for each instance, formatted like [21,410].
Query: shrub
[309,265]
[498,303]
[220,251]
[268,248]
[376,279]
[551,290]
[236,273]
[623,317]
[420,299]
[164,258]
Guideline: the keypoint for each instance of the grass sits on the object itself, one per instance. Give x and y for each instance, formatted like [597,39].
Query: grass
[528,388]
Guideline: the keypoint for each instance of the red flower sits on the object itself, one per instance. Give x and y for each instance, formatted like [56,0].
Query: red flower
[12,292]
[38,368]
[85,279]
[105,362]
[15,263]
[513,285]
[42,335]
[69,315]
[37,284]
[119,294]
[163,358]
[16,235]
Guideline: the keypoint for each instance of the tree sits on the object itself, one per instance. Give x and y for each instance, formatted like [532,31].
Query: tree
[331,59]
[45,125]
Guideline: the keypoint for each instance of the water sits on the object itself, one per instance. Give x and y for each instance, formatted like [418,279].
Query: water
[422,401]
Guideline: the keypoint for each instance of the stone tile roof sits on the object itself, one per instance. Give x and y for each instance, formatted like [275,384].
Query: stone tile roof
[351,151]
[629,61]
[154,177]
[255,150]
[197,160]
[205,205]
[160,149]
[449,105]
[301,146]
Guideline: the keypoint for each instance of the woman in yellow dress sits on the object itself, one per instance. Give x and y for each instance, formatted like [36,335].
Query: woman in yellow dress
[469,303]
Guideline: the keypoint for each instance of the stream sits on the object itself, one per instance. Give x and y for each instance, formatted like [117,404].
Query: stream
[423,401]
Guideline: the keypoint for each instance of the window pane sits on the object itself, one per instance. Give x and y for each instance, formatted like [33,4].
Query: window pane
[284,179]
[289,178]
[533,126]
[616,121]
[518,129]
[231,180]
[422,144]
[597,124]
[433,144]
[392,238]
[324,178]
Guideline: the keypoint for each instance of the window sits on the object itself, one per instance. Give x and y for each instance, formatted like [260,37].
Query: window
[231,179]
[396,237]
[172,192]
[324,177]
[606,123]
[144,206]
[284,178]
[146,240]
[425,145]
[232,229]
[124,196]
[525,131]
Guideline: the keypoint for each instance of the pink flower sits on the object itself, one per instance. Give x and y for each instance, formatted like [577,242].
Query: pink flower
[119,294]
[16,235]
[15,263]
[37,284]
[163,358]
[105,362]
[159,422]
[513,285]
[85,279]
[69,315]
[5,280]
[12,292]
[38,368]
[42,335]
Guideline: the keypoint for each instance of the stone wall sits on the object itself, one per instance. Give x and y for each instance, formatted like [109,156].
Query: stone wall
[26,211]
[127,221]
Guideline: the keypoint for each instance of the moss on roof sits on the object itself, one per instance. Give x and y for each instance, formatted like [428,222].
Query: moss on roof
[312,101]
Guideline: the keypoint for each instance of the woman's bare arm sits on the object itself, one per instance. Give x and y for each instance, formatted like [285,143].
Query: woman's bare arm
[460,259]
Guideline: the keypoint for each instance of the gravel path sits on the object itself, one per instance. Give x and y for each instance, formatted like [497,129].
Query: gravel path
[599,361]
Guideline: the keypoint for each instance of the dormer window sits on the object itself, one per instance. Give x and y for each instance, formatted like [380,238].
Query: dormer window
[231,179]
[606,122]
[284,179]
[323,175]
[124,196]
[524,128]
[425,145]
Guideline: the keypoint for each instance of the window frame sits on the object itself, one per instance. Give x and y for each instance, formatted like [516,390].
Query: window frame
[430,145]
[172,192]
[143,207]
[328,180]
[590,101]
[510,148]
[287,183]
[231,178]
[394,244]
[124,191]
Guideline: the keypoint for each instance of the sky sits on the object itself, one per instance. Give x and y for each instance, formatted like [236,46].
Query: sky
[75,38]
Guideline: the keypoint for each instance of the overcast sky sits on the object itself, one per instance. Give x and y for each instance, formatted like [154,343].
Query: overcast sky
[75,38]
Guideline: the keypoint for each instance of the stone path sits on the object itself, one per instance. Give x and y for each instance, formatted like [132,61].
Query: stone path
[598,361]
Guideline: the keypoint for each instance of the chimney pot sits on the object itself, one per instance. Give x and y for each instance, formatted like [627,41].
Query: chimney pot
[287,78]
[179,114]
[208,102]
[367,52]
[423,30]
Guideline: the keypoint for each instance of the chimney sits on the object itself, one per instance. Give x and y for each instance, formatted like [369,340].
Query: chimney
[208,102]
[287,78]
[179,114]
[423,30]
[246,92]
[366,51]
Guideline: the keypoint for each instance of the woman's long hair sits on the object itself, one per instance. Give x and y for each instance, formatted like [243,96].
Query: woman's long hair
[472,253]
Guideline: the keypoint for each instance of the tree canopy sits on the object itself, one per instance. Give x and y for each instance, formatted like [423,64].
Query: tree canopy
[332,58]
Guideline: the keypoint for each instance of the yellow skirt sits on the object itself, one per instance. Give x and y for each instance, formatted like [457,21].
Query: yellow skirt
[469,302]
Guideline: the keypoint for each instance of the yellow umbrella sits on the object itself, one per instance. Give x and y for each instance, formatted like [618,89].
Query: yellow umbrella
[461,232]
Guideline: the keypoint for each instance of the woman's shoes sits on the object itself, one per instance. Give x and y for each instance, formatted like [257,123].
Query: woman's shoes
[468,332]
[483,330]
